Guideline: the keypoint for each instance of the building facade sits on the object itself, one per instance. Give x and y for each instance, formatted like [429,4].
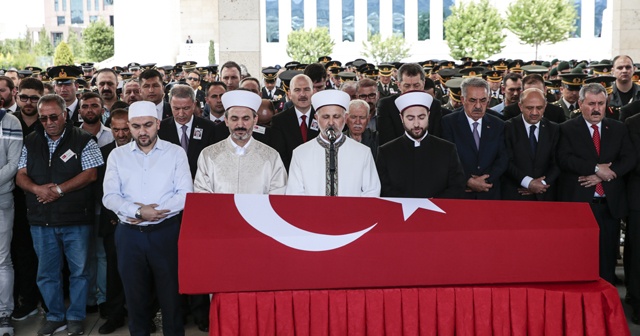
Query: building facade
[62,16]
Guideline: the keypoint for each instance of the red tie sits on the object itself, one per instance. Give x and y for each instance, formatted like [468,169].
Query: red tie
[303,128]
[596,143]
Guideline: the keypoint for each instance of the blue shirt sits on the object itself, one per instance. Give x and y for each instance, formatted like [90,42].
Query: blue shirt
[89,158]
[161,177]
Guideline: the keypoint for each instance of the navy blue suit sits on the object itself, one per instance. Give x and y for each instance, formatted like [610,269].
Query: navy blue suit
[492,157]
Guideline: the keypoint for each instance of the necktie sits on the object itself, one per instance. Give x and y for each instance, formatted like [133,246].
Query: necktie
[571,107]
[532,139]
[476,135]
[386,89]
[184,141]
[68,114]
[217,121]
[303,128]
[596,144]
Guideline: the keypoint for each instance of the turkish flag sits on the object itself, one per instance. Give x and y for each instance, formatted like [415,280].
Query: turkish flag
[232,243]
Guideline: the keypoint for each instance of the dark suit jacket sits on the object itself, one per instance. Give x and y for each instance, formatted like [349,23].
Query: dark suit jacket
[629,110]
[551,112]
[222,132]
[431,170]
[633,181]
[523,163]
[168,132]
[390,126]
[285,133]
[577,156]
[491,158]
[74,116]
[107,217]
[166,111]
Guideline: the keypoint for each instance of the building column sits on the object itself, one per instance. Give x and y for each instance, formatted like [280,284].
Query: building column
[335,20]
[239,22]
[411,21]
[436,20]
[386,18]
[361,23]
[626,29]
[310,14]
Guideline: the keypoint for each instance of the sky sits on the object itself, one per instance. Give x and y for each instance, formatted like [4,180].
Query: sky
[14,24]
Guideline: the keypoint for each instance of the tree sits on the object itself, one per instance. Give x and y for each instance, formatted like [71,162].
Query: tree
[391,49]
[76,45]
[306,46]
[44,46]
[541,21]
[212,52]
[98,41]
[63,55]
[474,29]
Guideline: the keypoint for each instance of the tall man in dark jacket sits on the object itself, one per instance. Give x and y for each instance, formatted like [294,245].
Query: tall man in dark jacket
[56,170]
[594,155]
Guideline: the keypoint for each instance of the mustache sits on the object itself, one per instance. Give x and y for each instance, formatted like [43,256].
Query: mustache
[239,129]
[595,113]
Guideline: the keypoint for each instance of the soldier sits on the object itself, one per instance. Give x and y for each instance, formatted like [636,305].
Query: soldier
[571,84]
[385,86]
[276,95]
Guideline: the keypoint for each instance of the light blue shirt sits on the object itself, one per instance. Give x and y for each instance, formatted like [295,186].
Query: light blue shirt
[162,177]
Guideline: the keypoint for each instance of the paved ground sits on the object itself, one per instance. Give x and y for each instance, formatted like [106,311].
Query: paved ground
[30,326]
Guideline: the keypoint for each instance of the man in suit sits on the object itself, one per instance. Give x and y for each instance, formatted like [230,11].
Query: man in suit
[65,86]
[418,164]
[632,238]
[479,138]
[193,134]
[531,143]
[594,155]
[296,125]
[551,112]
[512,86]
[411,77]
[194,80]
[152,89]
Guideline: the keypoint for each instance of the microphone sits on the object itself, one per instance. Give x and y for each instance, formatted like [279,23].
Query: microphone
[331,133]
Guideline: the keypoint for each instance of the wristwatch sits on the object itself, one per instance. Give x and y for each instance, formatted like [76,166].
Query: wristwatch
[139,213]
[59,190]
[597,169]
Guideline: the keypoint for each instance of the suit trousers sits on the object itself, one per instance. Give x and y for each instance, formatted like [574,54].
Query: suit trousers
[609,241]
[632,259]
[145,258]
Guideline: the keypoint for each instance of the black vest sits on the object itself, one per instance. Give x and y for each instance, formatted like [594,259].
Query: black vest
[74,208]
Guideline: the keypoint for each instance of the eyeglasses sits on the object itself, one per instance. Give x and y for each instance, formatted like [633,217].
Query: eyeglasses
[54,117]
[193,79]
[370,96]
[24,98]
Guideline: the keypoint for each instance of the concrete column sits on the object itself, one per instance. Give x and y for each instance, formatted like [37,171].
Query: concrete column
[626,29]
[386,18]
[335,20]
[134,44]
[437,28]
[239,22]
[361,23]
[411,21]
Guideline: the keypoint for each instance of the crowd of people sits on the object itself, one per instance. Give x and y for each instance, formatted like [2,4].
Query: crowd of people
[95,164]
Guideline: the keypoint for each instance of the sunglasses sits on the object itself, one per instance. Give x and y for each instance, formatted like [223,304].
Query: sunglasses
[24,98]
[193,79]
[370,96]
[54,117]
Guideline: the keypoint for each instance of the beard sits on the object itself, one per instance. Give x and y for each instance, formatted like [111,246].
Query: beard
[416,133]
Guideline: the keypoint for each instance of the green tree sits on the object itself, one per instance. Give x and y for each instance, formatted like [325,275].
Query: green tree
[44,46]
[541,21]
[391,49]
[474,29]
[63,55]
[212,52]
[76,45]
[98,41]
[424,23]
[306,46]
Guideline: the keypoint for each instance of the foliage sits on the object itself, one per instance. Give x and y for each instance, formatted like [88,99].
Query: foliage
[76,45]
[474,29]
[391,49]
[424,23]
[306,46]
[63,55]
[541,21]
[98,41]
[43,47]
[18,61]
[212,52]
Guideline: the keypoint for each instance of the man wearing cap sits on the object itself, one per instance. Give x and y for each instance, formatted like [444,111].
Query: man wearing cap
[479,138]
[332,164]
[134,68]
[152,89]
[625,90]
[239,164]
[571,84]
[594,154]
[411,77]
[276,95]
[531,143]
[57,169]
[65,85]
[296,125]
[193,134]
[419,164]
[551,112]
[145,184]
[385,86]
[511,86]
